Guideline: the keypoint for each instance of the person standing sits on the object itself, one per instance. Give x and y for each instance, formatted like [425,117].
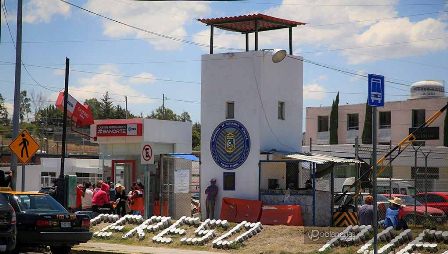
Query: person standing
[136,200]
[87,197]
[120,200]
[100,198]
[79,194]
[211,192]
[365,212]
[394,215]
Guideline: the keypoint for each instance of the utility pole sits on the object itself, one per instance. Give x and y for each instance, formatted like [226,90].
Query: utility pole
[126,105]
[60,183]
[16,112]
[163,106]
[375,168]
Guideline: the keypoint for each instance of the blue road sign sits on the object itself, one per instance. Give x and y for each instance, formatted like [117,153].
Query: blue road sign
[376,90]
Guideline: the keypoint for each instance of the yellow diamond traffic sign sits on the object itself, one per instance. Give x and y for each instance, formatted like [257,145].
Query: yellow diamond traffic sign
[24,146]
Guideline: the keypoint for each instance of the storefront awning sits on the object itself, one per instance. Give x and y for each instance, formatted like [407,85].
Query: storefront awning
[320,158]
[189,157]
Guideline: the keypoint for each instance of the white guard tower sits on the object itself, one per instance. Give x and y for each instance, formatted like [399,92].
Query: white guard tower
[251,102]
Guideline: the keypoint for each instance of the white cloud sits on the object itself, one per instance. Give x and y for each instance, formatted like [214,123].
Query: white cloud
[314,91]
[36,11]
[96,86]
[168,18]
[9,108]
[350,26]
[59,72]
[421,34]
[143,78]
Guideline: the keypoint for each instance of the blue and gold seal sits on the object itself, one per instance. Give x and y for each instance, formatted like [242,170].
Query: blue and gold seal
[230,144]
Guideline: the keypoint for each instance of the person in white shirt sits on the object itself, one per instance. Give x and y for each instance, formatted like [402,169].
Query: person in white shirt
[87,197]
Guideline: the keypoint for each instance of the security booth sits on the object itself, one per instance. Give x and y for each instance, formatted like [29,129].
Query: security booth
[179,178]
[302,179]
[131,149]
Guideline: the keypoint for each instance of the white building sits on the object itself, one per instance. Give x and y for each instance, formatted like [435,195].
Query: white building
[249,105]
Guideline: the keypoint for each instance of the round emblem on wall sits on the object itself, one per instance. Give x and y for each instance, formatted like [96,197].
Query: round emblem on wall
[230,144]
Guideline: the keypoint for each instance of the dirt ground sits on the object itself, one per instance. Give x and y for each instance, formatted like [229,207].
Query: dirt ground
[271,240]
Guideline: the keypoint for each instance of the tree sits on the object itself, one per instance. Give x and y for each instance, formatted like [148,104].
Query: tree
[37,100]
[196,136]
[25,105]
[367,131]
[445,129]
[49,116]
[106,107]
[4,120]
[161,114]
[94,106]
[334,121]
[184,117]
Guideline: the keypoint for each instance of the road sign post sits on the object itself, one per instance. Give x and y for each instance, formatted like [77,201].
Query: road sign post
[24,147]
[375,99]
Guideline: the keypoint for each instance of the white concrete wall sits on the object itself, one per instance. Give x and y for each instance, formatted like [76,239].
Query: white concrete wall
[235,77]
[171,132]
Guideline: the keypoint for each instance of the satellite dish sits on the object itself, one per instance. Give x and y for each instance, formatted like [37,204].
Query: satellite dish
[278,55]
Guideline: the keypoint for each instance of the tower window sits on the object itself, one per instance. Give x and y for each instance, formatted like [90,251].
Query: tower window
[281,110]
[230,110]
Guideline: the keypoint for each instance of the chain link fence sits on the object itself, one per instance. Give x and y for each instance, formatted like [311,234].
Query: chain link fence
[417,175]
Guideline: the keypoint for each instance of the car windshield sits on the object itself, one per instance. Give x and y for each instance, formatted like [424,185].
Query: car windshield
[39,203]
[409,201]
[3,202]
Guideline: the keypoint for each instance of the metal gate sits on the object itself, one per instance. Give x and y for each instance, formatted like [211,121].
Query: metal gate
[176,174]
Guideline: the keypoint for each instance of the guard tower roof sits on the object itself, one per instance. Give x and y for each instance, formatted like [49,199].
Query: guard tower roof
[252,23]
[246,23]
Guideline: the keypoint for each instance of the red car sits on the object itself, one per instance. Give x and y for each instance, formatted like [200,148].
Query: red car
[437,200]
[407,212]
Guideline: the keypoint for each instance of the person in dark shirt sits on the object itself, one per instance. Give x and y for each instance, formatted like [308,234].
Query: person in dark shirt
[365,212]
[211,192]
[120,200]
[5,179]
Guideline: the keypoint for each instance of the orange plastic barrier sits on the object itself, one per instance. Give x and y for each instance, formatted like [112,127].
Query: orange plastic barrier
[156,209]
[237,210]
[290,215]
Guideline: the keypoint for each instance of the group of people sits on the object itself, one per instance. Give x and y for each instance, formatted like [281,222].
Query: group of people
[392,218]
[102,198]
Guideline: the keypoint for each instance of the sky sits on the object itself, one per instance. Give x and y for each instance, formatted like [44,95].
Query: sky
[406,41]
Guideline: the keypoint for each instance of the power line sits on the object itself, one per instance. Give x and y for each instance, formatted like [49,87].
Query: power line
[142,29]
[5,14]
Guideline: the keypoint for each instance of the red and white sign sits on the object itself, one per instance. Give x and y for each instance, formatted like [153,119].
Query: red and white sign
[119,130]
[147,156]
[80,114]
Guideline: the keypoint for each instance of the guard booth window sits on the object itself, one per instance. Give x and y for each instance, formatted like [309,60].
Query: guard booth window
[385,120]
[322,123]
[418,117]
[230,110]
[352,121]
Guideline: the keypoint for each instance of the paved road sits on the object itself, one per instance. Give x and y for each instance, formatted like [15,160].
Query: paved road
[96,247]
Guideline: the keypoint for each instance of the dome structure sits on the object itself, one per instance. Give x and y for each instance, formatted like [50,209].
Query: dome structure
[427,89]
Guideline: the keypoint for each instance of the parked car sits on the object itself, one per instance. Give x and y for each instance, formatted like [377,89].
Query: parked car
[437,200]
[384,185]
[42,222]
[7,226]
[434,214]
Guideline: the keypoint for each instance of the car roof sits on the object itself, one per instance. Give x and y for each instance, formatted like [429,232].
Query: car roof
[7,190]
[441,193]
